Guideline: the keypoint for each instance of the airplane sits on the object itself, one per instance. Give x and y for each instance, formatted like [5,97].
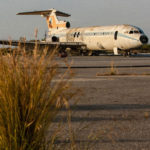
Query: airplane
[89,40]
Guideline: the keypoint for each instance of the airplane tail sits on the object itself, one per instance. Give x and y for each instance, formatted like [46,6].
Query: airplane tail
[51,18]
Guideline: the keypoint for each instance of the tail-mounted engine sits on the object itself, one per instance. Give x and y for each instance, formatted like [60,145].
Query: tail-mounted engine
[55,39]
[68,25]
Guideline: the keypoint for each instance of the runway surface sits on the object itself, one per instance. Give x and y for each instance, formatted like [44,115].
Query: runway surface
[112,112]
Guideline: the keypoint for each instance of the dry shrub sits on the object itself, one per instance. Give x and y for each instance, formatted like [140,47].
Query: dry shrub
[111,72]
[29,100]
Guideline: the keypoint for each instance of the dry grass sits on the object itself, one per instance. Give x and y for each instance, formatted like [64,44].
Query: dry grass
[113,71]
[29,100]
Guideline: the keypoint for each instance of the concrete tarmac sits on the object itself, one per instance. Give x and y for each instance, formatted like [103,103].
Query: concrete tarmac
[112,112]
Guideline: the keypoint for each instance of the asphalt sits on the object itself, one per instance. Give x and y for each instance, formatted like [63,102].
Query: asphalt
[110,112]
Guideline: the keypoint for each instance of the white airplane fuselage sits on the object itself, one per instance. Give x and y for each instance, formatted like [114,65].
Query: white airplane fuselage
[122,37]
[116,37]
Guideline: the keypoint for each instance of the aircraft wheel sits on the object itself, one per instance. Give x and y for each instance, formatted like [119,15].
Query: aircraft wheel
[90,53]
[127,53]
[95,54]
[64,54]
[81,53]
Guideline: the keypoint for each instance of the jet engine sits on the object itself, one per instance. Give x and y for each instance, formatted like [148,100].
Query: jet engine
[55,39]
[68,25]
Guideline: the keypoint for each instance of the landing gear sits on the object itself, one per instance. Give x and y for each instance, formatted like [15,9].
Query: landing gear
[96,53]
[115,51]
[89,53]
[127,53]
[63,53]
[85,53]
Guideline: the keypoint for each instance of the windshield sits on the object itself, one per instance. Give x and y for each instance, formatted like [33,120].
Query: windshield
[135,32]
[140,30]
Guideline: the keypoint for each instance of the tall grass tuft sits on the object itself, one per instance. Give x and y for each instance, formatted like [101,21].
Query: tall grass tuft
[29,100]
[113,70]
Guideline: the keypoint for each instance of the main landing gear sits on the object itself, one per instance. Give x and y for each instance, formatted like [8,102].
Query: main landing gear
[63,53]
[127,53]
[89,53]
[115,49]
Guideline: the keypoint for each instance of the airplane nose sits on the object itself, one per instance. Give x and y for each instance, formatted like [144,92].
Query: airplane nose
[144,39]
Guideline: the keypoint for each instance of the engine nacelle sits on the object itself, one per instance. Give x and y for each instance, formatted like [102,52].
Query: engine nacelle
[68,25]
[55,39]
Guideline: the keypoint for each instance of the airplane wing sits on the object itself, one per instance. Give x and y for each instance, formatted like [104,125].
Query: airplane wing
[40,44]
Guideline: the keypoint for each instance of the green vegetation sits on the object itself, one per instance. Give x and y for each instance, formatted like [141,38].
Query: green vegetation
[143,49]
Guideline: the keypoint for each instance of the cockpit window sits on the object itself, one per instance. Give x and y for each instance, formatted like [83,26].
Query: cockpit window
[141,31]
[131,32]
[136,32]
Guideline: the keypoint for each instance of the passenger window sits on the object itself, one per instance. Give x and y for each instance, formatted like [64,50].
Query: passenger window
[78,34]
[75,34]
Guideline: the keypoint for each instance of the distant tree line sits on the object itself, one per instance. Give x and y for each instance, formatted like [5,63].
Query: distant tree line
[144,48]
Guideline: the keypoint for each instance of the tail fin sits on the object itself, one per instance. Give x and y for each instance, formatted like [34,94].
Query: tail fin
[51,18]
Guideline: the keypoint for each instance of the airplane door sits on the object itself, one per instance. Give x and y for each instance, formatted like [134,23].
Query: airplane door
[116,35]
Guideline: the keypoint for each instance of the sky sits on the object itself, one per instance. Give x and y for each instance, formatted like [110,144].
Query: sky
[83,13]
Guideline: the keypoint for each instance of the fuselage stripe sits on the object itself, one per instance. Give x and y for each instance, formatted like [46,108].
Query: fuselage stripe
[128,37]
[96,34]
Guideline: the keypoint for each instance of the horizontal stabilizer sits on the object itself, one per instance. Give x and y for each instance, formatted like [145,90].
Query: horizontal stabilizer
[45,13]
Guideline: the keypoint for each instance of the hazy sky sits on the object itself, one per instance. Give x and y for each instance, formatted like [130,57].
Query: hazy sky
[84,13]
